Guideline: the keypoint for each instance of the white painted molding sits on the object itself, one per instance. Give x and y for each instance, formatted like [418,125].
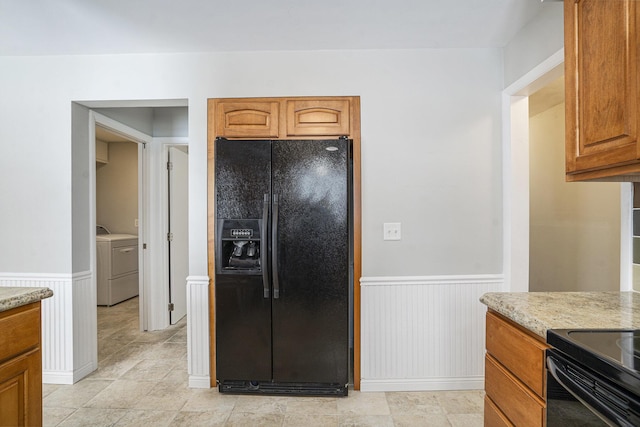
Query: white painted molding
[196,381]
[32,277]
[198,331]
[540,76]
[423,384]
[121,129]
[431,280]
[626,236]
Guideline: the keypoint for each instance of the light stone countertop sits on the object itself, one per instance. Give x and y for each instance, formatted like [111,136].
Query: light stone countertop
[16,297]
[540,311]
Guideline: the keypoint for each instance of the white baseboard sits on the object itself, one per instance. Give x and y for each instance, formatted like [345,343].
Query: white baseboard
[199,381]
[85,370]
[57,377]
[423,384]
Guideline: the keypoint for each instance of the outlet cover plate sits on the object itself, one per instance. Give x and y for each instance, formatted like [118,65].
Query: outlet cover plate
[392,231]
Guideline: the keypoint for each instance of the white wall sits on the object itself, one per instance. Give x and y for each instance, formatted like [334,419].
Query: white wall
[575,226]
[117,189]
[535,42]
[430,136]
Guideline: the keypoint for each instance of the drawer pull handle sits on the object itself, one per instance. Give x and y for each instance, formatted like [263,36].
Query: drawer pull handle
[126,250]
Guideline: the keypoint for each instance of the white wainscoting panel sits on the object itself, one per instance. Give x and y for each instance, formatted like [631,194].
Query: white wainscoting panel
[198,331]
[424,333]
[85,327]
[69,344]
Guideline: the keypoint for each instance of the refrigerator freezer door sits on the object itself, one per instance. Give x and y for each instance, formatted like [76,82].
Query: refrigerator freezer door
[310,317]
[243,314]
[243,329]
[242,178]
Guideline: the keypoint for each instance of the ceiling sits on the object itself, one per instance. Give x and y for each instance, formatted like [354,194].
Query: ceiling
[71,27]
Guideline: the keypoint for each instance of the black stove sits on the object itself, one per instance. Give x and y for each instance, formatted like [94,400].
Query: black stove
[600,367]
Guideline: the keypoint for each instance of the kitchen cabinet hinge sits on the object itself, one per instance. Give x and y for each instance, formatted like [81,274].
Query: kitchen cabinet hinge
[169,166]
[170,237]
[170,306]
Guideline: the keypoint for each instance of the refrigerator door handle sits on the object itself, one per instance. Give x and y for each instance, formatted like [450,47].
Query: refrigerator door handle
[274,248]
[263,243]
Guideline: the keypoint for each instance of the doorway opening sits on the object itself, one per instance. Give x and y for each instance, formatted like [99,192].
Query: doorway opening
[518,244]
[574,226]
[148,127]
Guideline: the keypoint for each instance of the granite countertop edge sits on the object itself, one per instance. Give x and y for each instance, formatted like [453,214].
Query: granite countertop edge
[14,297]
[541,311]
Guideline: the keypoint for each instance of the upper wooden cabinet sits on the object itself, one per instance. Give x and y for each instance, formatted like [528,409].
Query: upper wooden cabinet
[253,118]
[318,117]
[284,118]
[602,98]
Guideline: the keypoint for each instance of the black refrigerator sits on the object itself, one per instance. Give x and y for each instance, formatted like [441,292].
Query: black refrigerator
[283,265]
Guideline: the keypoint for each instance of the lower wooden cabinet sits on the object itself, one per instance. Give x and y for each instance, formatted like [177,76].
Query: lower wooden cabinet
[493,416]
[510,395]
[20,367]
[515,375]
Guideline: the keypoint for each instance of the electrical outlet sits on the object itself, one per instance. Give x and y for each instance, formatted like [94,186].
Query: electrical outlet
[135,222]
[392,231]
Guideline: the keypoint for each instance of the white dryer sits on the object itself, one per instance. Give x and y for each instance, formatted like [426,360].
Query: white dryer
[117,257]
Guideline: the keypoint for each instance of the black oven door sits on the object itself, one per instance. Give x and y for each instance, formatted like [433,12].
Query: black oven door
[591,395]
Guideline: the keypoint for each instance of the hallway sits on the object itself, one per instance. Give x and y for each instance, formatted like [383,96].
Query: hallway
[142,381]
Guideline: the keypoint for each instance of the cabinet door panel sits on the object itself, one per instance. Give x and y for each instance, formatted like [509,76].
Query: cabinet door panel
[600,84]
[317,117]
[522,355]
[21,390]
[20,330]
[513,399]
[493,416]
[252,119]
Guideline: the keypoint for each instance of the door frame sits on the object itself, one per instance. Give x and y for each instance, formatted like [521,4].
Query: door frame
[354,134]
[515,149]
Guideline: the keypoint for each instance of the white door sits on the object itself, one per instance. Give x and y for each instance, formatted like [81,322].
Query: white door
[178,231]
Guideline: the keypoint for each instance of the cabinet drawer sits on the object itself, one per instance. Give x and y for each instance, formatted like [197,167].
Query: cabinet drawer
[514,400]
[520,353]
[493,416]
[124,259]
[20,330]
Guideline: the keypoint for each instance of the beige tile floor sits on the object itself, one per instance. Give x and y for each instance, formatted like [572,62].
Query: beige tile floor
[142,381]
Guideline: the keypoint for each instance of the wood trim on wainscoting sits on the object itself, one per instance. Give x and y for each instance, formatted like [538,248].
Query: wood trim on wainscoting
[354,134]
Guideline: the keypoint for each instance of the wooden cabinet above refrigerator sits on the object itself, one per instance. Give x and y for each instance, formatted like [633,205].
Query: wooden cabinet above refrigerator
[284,118]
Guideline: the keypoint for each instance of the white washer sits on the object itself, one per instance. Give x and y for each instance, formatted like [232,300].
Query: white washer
[117,258]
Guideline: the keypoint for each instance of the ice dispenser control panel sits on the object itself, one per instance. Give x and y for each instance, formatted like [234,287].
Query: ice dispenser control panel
[242,233]
[238,247]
